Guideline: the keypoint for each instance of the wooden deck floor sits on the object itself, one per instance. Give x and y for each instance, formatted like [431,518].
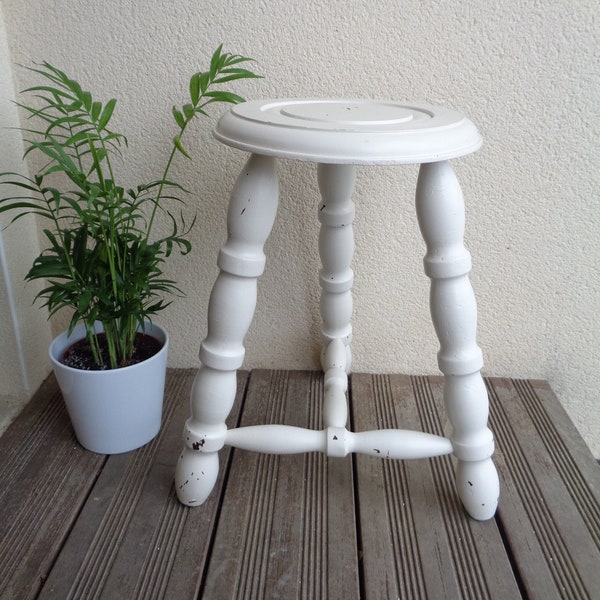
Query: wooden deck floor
[74,524]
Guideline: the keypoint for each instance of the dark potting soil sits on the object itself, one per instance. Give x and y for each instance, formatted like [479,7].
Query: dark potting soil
[79,355]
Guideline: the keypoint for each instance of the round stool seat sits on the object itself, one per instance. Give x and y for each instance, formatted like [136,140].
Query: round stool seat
[348,131]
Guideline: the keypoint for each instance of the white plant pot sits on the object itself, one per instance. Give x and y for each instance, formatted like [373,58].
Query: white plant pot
[116,410]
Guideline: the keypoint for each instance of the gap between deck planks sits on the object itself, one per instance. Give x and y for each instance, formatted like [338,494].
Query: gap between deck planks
[79,525]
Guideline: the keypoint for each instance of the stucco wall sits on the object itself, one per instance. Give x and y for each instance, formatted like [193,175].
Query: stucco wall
[526,72]
[24,331]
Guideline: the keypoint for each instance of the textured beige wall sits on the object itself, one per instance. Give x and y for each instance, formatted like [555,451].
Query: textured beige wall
[24,331]
[526,72]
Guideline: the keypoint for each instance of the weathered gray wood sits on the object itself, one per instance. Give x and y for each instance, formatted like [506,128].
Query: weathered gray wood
[484,569]
[45,477]
[417,540]
[76,524]
[571,456]
[133,538]
[550,506]
[287,524]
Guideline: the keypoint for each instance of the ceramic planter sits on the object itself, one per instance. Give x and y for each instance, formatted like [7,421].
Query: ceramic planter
[116,410]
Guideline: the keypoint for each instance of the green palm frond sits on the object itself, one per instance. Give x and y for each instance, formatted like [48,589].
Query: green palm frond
[102,260]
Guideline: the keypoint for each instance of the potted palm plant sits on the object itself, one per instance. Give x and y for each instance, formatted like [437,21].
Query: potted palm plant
[106,247]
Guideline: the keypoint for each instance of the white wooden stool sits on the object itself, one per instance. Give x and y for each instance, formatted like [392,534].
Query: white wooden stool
[339,134]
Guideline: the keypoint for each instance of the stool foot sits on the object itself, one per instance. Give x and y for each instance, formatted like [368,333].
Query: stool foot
[478,487]
[195,476]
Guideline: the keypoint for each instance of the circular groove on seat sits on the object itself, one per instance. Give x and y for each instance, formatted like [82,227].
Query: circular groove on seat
[348,131]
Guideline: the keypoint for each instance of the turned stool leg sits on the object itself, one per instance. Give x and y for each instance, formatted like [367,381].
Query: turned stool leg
[250,219]
[336,247]
[441,215]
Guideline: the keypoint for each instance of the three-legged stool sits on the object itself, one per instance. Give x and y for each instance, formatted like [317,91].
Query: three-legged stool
[339,134]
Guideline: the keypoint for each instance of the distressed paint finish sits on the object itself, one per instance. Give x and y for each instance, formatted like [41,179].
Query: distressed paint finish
[441,215]
[339,134]
[241,261]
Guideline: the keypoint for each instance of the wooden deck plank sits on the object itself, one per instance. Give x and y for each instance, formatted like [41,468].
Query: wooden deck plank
[275,537]
[133,535]
[45,477]
[555,548]
[76,524]
[486,559]
[417,540]
[198,529]
[570,454]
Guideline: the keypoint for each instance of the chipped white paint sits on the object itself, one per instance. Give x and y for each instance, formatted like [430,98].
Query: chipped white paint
[339,134]
[250,218]
[441,215]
